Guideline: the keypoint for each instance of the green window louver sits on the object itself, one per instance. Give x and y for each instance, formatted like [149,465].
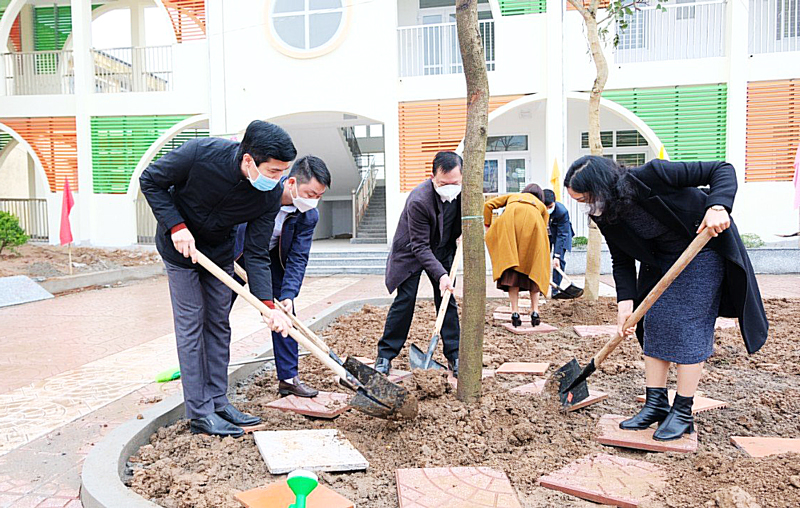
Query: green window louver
[520,7]
[691,121]
[5,139]
[51,27]
[179,139]
[118,143]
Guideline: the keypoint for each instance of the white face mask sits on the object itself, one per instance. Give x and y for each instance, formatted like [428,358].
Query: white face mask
[449,192]
[550,210]
[303,204]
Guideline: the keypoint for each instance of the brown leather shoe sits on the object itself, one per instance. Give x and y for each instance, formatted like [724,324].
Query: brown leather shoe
[298,388]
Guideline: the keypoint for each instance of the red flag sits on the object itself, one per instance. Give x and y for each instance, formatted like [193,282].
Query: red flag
[796,179]
[66,207]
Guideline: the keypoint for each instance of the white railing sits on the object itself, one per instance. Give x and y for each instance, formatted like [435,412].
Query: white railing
[145,222]
[680,32]
[146,69]
[774,26]
[38,73]
[363,194]
[433,49]
[32,215]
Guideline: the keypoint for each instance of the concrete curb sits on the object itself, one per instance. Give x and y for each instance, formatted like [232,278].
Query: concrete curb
[101,477]
[57,285]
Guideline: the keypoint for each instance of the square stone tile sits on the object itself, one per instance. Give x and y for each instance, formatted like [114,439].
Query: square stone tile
[595,330]
[766,446]
[527,329]
[535,369]
[19,289]
[324,405]
[724,323]
[607,479]
[609,433]
[279,495]
[537,387]
[462,487]
[313,450]
[700,403]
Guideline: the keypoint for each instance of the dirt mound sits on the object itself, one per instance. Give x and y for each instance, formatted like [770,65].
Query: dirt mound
[46,261]
[429,384]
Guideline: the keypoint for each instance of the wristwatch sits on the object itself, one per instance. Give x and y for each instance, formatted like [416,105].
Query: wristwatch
[718,208]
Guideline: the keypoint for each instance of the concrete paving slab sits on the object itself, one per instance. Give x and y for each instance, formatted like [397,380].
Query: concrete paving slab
[700,403]
[766,446]
[609,433]
[725,323]
[18,289]
[535,369]
[607,479]
[312,450]
[462,487]
[527,329]
[324,405]
[279,495]
[506,309]
[537,387]
[595,330]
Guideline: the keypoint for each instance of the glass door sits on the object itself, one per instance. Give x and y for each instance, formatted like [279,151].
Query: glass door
[516,173]
[491,167]
[506,173]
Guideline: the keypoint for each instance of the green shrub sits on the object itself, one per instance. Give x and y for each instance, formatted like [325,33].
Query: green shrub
[580,241]
[11,234]
[752,240]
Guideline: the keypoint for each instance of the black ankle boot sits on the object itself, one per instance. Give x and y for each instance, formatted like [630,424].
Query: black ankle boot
[656,409]
[679,421]
[516,321]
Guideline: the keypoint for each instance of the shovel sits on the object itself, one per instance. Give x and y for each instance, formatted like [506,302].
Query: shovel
[416,357]
[571,379]
[375,395]
[570,292]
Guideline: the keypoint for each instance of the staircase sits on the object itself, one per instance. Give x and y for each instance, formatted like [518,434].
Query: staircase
[372,228]
[350,262]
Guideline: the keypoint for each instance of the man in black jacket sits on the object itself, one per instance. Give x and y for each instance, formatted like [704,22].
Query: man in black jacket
[560,232]
[198,193]
[425,239]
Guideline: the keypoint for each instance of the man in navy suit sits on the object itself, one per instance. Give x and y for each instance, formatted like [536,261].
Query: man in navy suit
[561,233]
[288,250]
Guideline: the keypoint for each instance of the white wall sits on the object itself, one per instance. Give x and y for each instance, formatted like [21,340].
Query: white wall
[14,173]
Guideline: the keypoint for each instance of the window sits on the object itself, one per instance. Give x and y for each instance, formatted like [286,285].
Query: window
[307,25]
[631,159]
[625,147]
[629,138]
[606,138]
[631,29]
[506,143]
[684,12]
[376,130]
[490,170]
[787,18]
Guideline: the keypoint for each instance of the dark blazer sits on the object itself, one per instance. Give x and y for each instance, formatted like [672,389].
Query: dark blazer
[419,233]
[201,184]
[669,191]
[289,266]
[560,229]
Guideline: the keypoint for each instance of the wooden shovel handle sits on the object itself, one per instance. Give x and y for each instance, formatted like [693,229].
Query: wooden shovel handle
[683,261]
[446,296]
[301,339]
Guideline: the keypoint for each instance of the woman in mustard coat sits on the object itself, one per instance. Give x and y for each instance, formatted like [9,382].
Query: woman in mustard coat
[519,247]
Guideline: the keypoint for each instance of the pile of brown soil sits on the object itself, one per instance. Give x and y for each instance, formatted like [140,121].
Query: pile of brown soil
[35,260]
[527,437]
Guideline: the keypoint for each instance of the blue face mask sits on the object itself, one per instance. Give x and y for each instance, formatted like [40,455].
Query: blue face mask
[262,183]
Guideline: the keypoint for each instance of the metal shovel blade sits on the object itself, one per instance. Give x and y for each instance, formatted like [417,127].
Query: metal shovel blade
[378,396]
[418,360]
[569,293]
[571,388]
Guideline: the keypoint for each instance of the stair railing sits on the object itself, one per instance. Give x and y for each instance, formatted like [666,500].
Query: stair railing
[362,195]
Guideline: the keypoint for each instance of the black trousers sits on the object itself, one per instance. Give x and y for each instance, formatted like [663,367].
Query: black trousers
[401,313]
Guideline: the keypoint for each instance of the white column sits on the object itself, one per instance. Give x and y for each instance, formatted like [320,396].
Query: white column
[737,53]
[556,108]
[84,87]
[138,46]
[215,23]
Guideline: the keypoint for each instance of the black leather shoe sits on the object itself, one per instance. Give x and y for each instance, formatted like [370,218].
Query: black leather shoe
[214,425]
[296,387]
[453,366]
[383,365]
[535,320]
[516,321]
[656,409]
[678,422]
[236,417]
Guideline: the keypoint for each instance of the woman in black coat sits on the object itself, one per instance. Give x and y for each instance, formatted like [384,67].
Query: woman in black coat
[651,214]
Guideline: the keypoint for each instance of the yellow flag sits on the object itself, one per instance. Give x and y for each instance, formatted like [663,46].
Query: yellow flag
[555,180]
[661,154]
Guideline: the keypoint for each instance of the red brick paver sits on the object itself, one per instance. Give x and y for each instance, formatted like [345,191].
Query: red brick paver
[463,487]
[527,329]
[535,369]
[700,403]
[609,433]
[766,446]
[324,405]
[608,480]
[279,495]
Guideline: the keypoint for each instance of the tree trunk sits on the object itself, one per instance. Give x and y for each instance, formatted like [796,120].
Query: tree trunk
[474,280]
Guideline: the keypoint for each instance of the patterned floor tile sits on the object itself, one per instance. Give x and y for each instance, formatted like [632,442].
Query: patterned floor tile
[324,405]
[609,433]
[464,487]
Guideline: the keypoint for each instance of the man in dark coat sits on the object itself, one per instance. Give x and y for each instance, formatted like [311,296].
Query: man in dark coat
[198,193]
[289,248]
[425,240]
[561,233]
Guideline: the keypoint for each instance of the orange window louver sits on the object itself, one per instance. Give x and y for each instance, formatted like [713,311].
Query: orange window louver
[188,19]
[602,4]
[427,127]
[773,130]
[55,142]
